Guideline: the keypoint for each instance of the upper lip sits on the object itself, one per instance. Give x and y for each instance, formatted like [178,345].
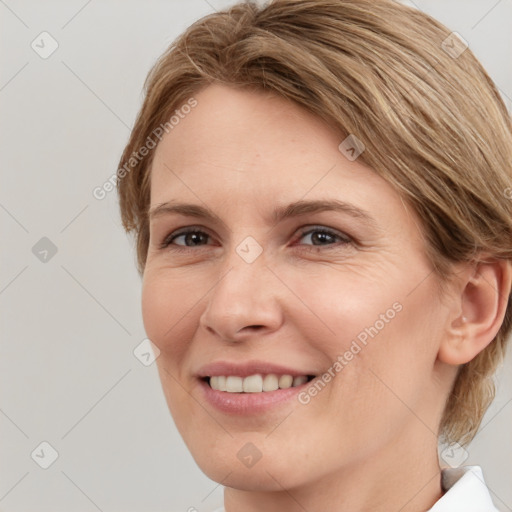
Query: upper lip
[247,368]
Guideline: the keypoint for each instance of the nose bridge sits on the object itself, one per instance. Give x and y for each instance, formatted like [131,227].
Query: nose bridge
[244,295]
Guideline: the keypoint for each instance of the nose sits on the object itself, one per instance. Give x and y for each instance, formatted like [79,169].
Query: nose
[244,302]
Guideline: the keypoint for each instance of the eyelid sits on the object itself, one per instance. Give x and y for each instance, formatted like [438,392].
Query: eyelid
[325,229]
[344,238]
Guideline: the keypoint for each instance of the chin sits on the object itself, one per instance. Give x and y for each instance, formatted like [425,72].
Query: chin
[263,479]
[236,463]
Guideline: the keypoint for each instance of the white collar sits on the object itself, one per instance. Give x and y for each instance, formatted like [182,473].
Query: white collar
[465,491]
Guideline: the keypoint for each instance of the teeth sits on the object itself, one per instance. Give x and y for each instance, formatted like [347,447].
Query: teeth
[234,384]
[255,383]
[298,381]
[221,383]
[218,382]
[270,382]
[285,381]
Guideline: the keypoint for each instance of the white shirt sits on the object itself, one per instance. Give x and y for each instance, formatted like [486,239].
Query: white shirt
[465,491]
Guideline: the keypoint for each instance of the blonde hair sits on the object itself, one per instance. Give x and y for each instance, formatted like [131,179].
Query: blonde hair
[432,121]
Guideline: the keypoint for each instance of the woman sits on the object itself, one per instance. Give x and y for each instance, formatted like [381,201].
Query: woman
[319,192]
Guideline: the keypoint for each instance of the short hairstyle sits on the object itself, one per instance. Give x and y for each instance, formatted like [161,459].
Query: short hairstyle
[431,119]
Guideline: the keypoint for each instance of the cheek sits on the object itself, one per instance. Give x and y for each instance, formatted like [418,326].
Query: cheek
[166,318]
[341,304]
[390,378]
[384,333]
[152,311]
[166,314]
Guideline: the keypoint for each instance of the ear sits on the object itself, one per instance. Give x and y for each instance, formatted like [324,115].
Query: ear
[478,311]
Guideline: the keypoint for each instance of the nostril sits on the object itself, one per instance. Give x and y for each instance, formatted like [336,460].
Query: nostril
[253,327]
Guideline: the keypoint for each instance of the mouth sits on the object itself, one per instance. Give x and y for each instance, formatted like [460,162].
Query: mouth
[252,387]
[254,395]
[256,383]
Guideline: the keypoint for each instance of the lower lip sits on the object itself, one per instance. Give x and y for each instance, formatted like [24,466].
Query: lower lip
[249,403]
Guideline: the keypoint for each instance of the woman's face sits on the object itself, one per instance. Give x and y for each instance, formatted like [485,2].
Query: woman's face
[346,295]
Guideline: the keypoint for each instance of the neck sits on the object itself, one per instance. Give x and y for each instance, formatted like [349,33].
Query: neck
[396,478]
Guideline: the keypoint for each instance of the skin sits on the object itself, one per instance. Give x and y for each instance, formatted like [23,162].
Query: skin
[368,440]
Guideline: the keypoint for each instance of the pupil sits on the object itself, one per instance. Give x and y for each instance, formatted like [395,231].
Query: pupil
[194,237]
[319,236]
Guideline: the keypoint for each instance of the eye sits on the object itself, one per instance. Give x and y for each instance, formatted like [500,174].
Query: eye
[323,236]
[193,237]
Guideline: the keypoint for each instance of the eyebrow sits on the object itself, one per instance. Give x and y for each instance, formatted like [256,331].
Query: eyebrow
[281,213]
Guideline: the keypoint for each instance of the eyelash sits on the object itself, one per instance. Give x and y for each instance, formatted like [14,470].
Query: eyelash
[167,242]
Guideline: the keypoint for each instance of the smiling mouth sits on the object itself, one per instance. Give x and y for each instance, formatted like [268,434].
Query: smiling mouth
[257,383]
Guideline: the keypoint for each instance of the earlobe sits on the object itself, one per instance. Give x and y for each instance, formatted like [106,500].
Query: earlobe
[478,312]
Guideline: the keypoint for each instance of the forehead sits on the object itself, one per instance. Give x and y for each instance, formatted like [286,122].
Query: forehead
[240,139]
[240,125]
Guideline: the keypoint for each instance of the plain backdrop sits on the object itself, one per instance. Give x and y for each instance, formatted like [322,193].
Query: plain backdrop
[69,291]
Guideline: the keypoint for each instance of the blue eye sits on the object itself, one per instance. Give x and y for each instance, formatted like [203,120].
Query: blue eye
[193,237]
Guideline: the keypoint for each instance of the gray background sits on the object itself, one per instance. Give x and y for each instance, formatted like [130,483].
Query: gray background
[70,324]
